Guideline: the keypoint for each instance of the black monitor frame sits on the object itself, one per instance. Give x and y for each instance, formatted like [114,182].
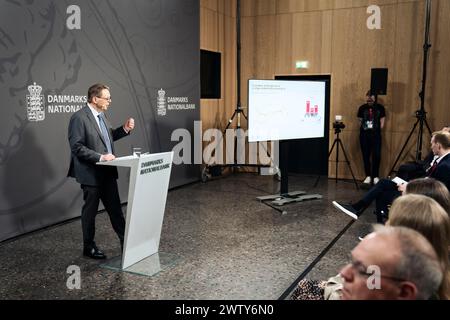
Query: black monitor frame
[292,152]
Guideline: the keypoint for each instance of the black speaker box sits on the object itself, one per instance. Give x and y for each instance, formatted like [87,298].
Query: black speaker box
[378,81]
[210,74]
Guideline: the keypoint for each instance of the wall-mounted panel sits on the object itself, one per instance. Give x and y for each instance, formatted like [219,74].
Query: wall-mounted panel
[50,53]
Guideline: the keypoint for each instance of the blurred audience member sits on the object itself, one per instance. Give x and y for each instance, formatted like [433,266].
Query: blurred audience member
[392,263]
[426,216]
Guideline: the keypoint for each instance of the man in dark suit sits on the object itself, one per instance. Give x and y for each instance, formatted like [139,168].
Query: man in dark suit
[91,140]
[385,191]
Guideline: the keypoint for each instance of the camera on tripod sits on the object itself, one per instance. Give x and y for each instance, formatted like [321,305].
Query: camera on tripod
[338,125]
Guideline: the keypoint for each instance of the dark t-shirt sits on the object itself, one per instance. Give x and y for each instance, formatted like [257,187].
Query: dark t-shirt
[370,116]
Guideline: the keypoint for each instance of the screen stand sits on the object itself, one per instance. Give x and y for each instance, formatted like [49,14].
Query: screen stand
[285,196]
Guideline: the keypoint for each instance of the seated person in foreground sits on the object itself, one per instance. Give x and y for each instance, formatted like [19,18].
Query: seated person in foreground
[385,191]
[431,188]
[416,169]
[421,209]
[409,270]
[428,217]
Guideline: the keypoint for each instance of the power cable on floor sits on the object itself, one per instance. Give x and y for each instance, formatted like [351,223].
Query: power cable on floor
[289,290]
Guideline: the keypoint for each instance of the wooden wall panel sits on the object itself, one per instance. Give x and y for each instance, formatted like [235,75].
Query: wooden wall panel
[289,6]
[341,4]
[437,92]
[283,44]
[399,139]
[217,33]
[257,64]
[227,7]
[251,8]
[248,56]
[366,3]
[326,45]
[332,35]
[405,78]
[344,85]
[307,44]
[209,4]
[356,49]
[229,72]
[265,27]
[209,40]
[209,34]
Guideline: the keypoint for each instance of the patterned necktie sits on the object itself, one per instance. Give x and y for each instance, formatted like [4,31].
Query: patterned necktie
[432,168]
[105,132]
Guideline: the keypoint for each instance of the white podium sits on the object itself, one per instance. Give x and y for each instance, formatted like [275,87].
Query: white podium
[147,194]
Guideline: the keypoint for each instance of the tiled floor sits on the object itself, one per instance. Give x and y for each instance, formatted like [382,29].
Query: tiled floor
[228,244]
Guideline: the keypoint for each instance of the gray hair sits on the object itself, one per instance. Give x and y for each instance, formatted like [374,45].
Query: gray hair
[418,262]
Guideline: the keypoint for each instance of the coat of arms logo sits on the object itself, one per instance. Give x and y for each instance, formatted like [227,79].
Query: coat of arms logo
[35,103]
[161,102]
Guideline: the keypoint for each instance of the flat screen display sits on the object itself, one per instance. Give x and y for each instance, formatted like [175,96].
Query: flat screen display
[285,109]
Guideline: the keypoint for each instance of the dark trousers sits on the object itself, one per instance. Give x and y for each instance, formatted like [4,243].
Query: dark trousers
[412,170]
[109,194]
[383,193]
[371,147]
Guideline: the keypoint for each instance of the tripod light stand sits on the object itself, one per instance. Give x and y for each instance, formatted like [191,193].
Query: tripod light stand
[238,111]
[421,114]
[338,126]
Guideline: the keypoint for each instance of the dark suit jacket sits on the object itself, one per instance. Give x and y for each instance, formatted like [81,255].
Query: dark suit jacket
[442,171]
[87,145]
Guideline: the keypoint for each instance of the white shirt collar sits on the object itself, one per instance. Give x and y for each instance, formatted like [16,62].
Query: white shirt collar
[441,157]
[94,111]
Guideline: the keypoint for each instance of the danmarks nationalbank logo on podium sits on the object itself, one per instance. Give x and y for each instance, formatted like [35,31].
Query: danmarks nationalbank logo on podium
[35,103]
[161,103]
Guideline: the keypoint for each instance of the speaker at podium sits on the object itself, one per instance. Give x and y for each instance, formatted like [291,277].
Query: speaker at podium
[147,194]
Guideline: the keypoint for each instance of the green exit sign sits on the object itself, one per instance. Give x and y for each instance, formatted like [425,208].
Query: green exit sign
[301,64]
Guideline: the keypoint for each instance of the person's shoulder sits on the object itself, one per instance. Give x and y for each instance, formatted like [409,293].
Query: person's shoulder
[81,112]
[446,159]
[443,168]
[80,115]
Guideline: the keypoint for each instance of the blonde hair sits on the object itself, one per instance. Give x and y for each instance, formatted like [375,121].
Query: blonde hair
[426,216]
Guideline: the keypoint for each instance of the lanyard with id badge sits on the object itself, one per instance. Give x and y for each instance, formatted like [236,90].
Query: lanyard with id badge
[369,122]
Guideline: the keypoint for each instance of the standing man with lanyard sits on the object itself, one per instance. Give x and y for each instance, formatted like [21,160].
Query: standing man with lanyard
[91,140]
[371,116]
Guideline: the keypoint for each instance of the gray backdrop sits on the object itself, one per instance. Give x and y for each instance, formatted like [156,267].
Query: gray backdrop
[137,47]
